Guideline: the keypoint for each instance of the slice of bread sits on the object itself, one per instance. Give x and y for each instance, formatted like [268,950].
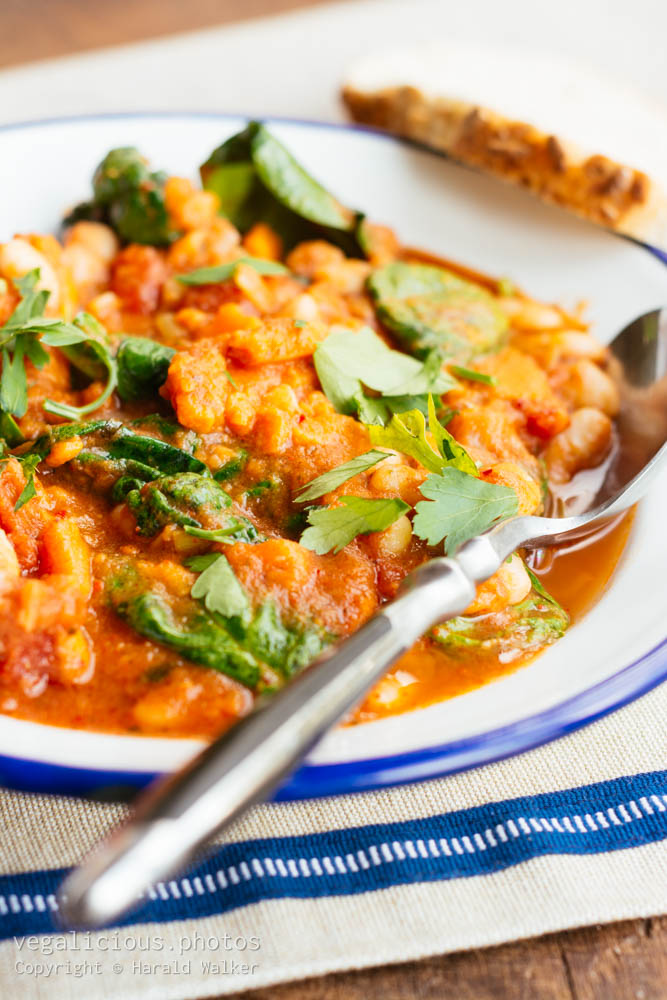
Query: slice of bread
[558,130]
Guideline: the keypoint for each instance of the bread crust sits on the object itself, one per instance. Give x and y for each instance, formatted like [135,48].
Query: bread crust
[600,189]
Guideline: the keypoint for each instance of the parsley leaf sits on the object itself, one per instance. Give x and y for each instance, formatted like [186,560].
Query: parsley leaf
[218,587]
[328,481]
[28,316]
[460,507]
[350,361]
[332,528]
[29,464]
[406,432]
[450,449]
[13,382]
[18,339]
[92,356]
[84,341]
[472,375]
[212,275]
[10,433]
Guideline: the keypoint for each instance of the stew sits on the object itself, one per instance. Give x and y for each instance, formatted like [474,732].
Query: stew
[235,416]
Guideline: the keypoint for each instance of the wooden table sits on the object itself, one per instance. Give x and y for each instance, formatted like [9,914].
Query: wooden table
[625,961]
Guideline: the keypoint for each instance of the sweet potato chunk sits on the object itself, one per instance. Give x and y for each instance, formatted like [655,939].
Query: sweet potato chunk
[197,386]
[66,552]
[279,339]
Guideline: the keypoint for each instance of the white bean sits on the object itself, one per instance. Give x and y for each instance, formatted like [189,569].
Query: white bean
[509,585]
[18,256]
[582,445]
[588,385]
[395,539]
[96,238]
[535,316]
[9,564]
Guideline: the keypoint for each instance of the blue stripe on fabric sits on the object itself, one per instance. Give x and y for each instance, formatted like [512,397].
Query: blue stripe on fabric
[609,816]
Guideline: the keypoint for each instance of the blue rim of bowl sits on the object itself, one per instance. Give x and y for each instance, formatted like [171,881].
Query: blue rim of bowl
[319,780]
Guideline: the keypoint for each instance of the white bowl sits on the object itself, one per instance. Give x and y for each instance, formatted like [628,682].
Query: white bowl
[610,657]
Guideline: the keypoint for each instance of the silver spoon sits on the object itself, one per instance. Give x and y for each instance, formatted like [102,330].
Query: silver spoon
[180,813]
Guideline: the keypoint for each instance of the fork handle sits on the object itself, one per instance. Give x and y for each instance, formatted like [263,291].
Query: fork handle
[178,814]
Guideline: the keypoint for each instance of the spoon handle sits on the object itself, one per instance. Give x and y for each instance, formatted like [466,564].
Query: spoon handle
[178,814]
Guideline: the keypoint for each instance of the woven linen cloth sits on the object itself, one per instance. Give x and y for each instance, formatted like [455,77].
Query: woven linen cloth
[569,834]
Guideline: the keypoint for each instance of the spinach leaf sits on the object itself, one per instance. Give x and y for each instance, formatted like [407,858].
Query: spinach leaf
[429,308]
[236,149]
[234,467]
[534,623]
[129,197]
[199,638]
[257,178]
[332,528]
[164,457]
[142,367]
[236,529]
[260,488]
[287,646]
[293,187]
[230,173]
[99,430]
[236,186]
[239,643]
[188,440]
[119,460]
[179,499]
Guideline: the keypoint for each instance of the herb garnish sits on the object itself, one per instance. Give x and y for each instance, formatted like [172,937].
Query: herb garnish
[472,375]
[23,336]
[348,362]
[29,465]
[406,432]
[212,275]
[332,528]
[218,587]
[92,356]
[459,506]
[328,481]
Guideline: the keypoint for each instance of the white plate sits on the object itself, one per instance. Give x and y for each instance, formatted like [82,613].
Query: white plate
[603,661]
